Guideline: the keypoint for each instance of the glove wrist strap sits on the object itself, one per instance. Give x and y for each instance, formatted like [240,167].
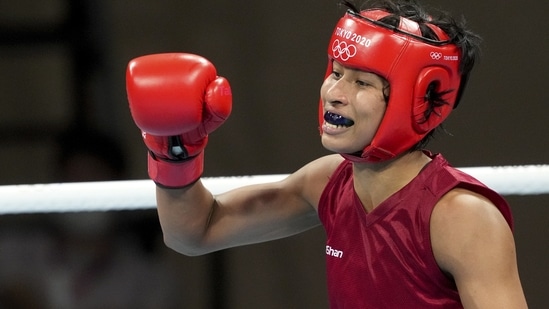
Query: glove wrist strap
[174,174]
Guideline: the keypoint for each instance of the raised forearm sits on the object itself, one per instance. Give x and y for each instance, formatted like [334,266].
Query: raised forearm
[184,216]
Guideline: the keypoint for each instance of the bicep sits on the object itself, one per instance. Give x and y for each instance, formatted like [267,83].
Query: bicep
[473,242]
[269,211]
[257,213]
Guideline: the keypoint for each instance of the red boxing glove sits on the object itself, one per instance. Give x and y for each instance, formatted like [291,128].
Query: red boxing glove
[176,100]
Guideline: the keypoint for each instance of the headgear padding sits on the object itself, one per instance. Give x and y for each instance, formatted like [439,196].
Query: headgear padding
[410,63]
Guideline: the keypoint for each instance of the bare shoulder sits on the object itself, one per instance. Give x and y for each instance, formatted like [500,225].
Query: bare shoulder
[463,217]
[473,243]
[311,179]
[462,206]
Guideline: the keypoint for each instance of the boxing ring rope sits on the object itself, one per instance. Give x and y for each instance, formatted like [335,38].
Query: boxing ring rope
[140,194]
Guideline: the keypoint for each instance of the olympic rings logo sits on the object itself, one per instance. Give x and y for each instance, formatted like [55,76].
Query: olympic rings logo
[435,55]
[342,50]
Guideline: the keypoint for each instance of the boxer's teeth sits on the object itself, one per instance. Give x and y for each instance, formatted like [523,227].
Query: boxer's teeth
[334,126]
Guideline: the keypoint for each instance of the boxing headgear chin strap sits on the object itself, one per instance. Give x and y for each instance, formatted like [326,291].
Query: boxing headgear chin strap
[410,63]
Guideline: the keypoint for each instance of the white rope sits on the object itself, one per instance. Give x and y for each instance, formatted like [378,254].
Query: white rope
[140,194]
[101,196]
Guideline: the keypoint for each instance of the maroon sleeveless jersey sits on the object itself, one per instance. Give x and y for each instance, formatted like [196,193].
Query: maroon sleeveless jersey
[384,259]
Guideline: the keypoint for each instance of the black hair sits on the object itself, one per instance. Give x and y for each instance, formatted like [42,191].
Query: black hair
[467,41]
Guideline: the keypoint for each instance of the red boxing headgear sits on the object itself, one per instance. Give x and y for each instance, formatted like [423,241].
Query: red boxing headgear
[410,63]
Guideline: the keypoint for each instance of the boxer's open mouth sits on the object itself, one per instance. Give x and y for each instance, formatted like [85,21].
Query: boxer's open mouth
[337,120]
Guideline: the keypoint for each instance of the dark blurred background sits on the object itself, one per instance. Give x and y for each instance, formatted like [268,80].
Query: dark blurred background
[64,117]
